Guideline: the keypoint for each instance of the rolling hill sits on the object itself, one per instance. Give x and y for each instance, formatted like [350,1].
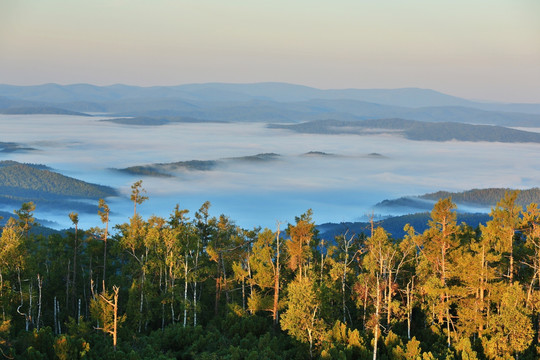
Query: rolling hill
[481,198]
[415,130]
[48,189]
[169,169]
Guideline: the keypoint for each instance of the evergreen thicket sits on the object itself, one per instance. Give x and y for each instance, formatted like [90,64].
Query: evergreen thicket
[200,287]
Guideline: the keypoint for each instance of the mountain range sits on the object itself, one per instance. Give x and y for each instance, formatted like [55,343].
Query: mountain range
[266,102]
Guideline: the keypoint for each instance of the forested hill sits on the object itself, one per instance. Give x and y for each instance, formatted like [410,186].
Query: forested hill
[486,197]
[30,182]
[476,197]
[157,120]
[170,169]
[44,110]
[415,130]
[395,225]
[8,147]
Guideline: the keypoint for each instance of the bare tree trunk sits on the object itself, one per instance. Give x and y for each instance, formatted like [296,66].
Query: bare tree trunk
[105,251]
[54,317]
[74,280]
[195,303]
[243,294]
[343,278]
[448,321]
[389,300]
[58,316]
[511,260]
[310,343]
[365,307]
[185,289]
[250,277]
[67,283]
[30,319]
[376,330]
[195,284]
[410,284]
[322,262]
[276,278]
[22,300]
[115,323]
[162,302]
[40,284]
[225,280]
[172,296]
[141,302]
[1,296]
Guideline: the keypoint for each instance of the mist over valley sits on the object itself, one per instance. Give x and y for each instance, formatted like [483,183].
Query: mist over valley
[267,152]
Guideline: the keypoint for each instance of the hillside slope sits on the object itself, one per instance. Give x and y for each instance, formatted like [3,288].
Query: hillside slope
[47,189]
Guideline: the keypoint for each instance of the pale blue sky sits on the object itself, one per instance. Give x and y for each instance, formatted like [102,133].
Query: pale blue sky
[480,49]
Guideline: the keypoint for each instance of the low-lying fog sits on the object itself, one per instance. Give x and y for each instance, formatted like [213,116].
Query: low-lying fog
[338,188]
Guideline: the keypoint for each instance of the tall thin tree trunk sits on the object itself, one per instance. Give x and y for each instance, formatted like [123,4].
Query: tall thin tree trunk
[172,296]
[448,321]
[185,289]
[277,268]
[142,300]
[195,304]
[365,307]
[115,308]
[250,278]
[54,317]
[225,286]
[408,310]
[376,330]
[22,299]
[162,302]
[511,260]
[74,280]
[105,252]
[343,278]
[195,284]
[58,317]
[40,284]
[1,296]
[389,300]
[30,318]
[67,283]
[243,294]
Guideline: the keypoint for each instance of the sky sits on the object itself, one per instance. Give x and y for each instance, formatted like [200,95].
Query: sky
[477,49]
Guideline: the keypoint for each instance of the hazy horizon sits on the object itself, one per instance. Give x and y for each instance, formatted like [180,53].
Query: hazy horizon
[479,50]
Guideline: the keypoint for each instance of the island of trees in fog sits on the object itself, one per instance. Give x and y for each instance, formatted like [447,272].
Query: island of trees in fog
[199,286]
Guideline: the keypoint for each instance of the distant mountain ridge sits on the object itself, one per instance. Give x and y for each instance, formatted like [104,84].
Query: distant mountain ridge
[198,99]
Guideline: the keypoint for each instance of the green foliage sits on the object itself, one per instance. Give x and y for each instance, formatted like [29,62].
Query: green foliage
[204,289]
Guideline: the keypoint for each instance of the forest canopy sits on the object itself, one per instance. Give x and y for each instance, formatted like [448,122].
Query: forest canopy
[197,286]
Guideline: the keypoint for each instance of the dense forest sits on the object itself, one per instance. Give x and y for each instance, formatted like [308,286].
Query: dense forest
[199,287]
[414,130]
[46,188]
